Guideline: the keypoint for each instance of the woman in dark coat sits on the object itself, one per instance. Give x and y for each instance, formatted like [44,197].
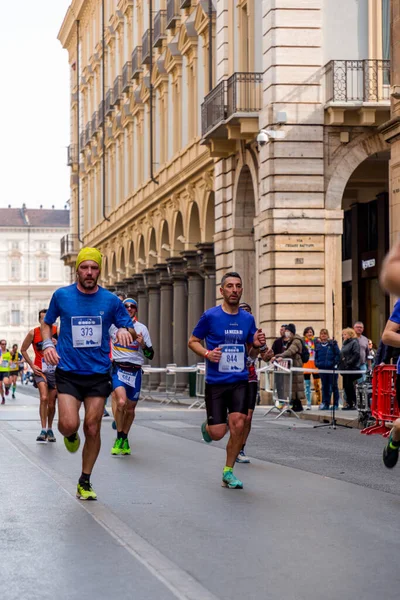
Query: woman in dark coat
[349,361]
[293,351]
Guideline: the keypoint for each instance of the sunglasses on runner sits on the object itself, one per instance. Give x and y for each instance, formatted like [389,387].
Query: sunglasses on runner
[129,306]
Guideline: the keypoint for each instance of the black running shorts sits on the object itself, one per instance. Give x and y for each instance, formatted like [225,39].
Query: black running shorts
[224,398]
[252,390]
[48,378]
[4,375]
[83,386]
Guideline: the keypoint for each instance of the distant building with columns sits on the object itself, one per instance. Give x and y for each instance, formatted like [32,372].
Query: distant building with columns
[168,180]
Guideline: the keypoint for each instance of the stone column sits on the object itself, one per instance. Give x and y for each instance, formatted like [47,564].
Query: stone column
[180,305]
[195,299]
[207,267]
[142,300]
[120,287]
[166,318]
[131,287]
[153,289]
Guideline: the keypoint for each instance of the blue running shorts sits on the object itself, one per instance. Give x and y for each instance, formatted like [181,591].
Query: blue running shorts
[131,380]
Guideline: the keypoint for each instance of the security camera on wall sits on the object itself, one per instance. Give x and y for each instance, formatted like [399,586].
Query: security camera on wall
[266,135]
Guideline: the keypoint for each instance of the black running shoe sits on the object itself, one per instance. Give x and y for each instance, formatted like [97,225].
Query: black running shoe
[390,455]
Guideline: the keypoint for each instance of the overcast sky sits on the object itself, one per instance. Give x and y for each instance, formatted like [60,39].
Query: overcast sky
[34,105]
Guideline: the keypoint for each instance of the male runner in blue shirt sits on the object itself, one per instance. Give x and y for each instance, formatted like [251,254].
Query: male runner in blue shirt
[86,313]
[230,335]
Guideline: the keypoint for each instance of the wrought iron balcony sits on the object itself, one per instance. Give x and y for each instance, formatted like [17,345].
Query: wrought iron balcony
[160,30]
[136,62]
[109,102]
[117,90]
[100,114]
[69,246]
[146,47]
[95,122]
[126,76]
[88,132]
[238,96]
[357,80]
[186,3]
[173,13]
[82,139]
[72,155]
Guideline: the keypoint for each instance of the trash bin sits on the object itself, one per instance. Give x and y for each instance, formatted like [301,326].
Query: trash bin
[192,384]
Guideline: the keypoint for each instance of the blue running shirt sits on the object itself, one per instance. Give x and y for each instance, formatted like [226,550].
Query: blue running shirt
[84,341]
[219,328]
[395,317]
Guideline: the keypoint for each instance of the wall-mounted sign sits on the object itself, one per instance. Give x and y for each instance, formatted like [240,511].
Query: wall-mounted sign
[368,264]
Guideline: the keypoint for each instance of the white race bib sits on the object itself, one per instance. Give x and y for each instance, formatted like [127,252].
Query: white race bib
[86,332]
[13,366]
[4,364]
[128,378]
[232,359]
[48,368]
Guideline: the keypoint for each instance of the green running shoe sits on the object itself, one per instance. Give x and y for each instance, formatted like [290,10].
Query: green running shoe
[84,491]
[72,443]
[230,481]
[116,450]
[125,448]
[390,455]
[206,436]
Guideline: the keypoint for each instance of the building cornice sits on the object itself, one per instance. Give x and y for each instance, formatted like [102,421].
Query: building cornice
[74,12]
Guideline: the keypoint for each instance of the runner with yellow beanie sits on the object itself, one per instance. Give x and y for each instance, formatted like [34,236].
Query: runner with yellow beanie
[86,311]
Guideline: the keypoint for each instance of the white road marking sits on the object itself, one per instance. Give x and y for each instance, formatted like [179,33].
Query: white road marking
[182,585]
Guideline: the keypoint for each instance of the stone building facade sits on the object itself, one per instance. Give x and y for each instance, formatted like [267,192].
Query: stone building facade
[30,266]
[167,177]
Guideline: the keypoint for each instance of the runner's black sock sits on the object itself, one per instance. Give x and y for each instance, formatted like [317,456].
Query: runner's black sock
[242,450]
[71,438]
[119,435]
[84,478]
[124,435]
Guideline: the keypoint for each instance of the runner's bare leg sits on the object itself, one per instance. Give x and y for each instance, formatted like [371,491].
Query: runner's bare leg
[94,408]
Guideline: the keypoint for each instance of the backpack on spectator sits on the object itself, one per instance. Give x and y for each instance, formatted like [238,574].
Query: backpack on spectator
[305,353]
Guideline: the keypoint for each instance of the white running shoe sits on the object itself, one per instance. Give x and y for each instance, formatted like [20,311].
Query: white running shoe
[242,458]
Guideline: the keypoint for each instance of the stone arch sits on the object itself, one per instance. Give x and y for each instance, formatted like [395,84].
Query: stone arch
[122,265]
[104,270]
[177,231]
[209,218]
[244,254]
[141,260]
[113,269]
[130,267]
[164,241]
[346,163]
[194,228]
[152,248]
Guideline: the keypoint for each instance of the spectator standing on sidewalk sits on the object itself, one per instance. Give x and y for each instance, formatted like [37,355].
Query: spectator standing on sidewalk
[371,355]
[310,341]
[327,356]
[363,341]
[293,351]
[280,343]
[350,361]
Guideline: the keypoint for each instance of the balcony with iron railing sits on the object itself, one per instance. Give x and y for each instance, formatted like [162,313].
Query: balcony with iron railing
[72,155]
[173,13]
[230,112]
[136,60]
[69,246]
[95,122]
[117,90]
[126,76]
[109,102]
[82,139]
[357,91]
[160,29]
[146,47]
[100,114]
[88,132]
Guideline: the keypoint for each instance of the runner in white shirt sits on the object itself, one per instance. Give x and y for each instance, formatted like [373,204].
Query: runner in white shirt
[127,378]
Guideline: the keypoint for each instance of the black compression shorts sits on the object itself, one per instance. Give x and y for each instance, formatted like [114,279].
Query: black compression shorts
[83,386]
[224,398]
[4,375]
[252,390]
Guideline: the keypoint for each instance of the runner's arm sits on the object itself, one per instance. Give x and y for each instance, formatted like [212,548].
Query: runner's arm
[147,349]
[24,348]
[197,347]
[49,351]
[391,335]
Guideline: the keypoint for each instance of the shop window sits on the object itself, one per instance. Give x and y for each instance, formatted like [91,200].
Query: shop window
[372,226]
[346,238]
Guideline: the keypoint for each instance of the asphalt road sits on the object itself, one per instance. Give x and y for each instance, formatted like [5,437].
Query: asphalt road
[317,518]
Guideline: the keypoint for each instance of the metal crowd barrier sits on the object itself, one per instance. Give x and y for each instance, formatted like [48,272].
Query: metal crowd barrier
[200,387]
[278,381]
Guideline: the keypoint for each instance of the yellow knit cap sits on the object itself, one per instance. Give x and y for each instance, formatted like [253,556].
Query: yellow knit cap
[88,254]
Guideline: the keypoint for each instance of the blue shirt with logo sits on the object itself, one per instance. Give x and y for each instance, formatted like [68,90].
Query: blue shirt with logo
[85,319]
[395,317]
[218,328]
